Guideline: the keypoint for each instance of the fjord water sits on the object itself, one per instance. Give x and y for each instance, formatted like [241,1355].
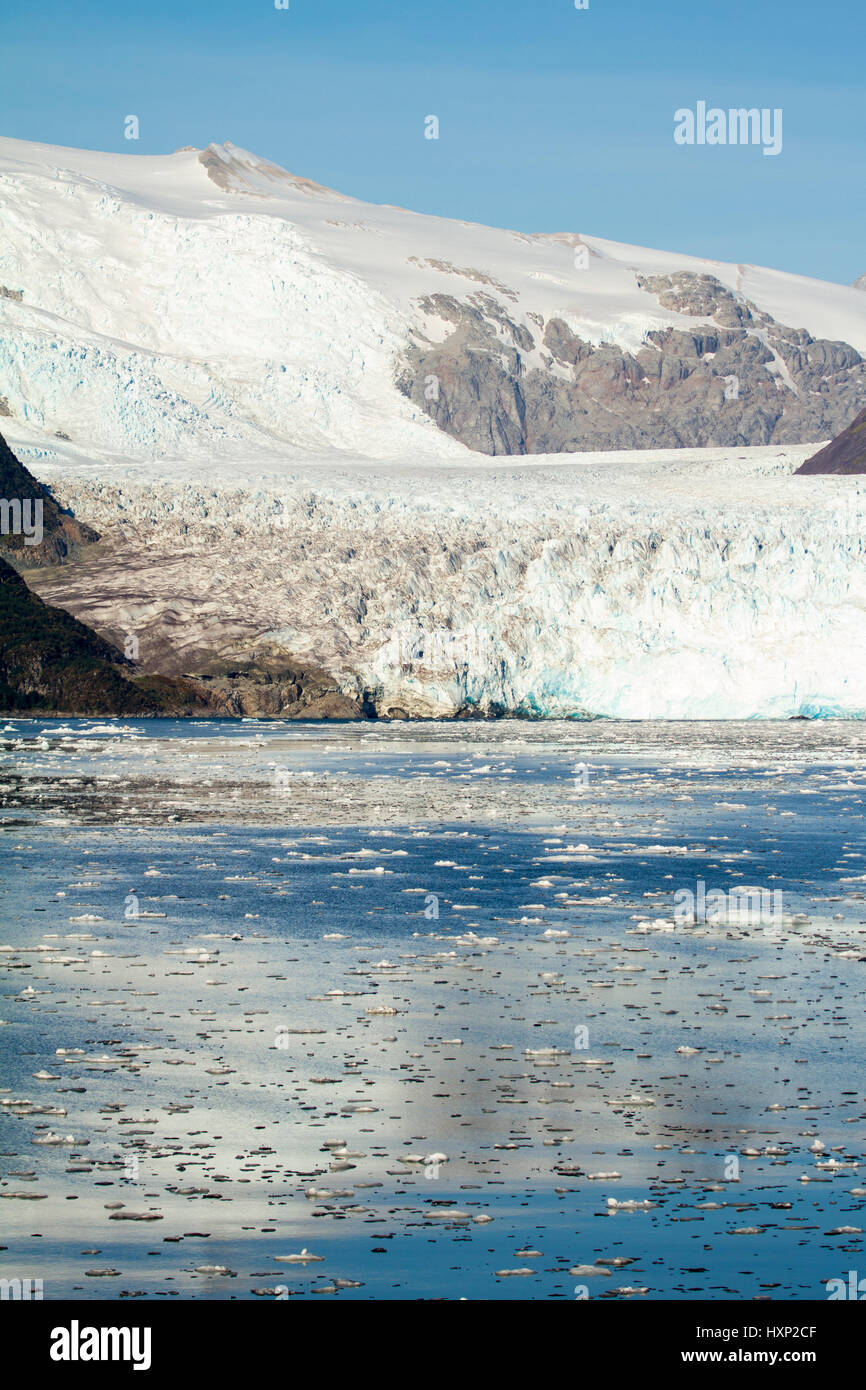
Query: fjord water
[414,1000]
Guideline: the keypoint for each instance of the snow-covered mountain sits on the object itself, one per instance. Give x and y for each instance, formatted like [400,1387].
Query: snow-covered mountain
[208,304]
[263,395]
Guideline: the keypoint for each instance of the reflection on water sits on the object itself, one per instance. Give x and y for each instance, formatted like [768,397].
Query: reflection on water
[418,1001]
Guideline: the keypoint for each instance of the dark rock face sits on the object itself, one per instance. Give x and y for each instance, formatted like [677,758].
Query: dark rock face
[49,662]
[61,535]
[52,663]
[277,689]
[844,454]
[737,378]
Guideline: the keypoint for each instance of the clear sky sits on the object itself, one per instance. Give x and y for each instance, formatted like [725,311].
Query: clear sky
[551,119]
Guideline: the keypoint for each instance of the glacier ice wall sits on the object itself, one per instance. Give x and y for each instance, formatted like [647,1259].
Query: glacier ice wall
[707,586]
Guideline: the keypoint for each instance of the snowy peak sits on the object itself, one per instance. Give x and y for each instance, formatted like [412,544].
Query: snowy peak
[211,305]
[237,171]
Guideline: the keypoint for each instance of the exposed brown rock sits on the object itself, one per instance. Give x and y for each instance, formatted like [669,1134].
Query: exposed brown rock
[737,378]
[62,536]
[844,454]
[277,689]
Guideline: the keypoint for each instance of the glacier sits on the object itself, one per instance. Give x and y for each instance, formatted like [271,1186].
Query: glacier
[702,584]
[199,353]
[208,303]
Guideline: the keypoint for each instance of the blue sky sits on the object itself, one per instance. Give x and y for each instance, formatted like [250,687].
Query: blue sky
[551,119]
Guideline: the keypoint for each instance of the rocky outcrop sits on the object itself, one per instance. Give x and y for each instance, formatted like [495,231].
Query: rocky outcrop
[278,689]
[844,454]
[58,537]
[49,662]
[738,377]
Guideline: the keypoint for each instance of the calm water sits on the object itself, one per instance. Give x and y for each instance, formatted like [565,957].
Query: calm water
[415,1000]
